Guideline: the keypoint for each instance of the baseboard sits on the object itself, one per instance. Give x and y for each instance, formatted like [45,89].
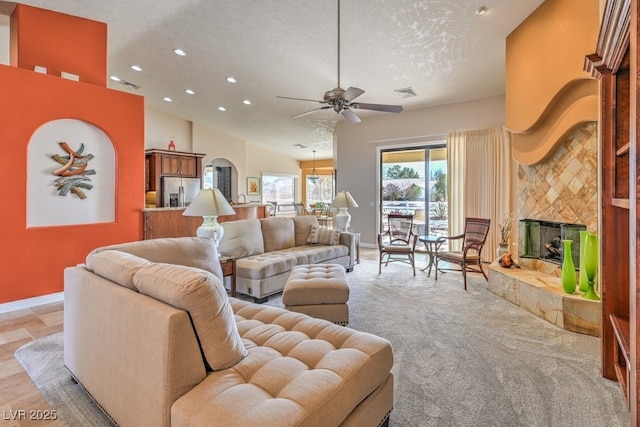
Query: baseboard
[31,302]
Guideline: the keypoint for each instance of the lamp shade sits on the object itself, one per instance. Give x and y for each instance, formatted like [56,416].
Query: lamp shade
[344,200]
[209,202]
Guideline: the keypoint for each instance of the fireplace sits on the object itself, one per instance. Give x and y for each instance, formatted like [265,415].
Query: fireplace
[543,240]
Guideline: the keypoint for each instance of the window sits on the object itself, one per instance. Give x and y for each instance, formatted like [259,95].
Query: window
[404,186]
[321,190]
[279,189]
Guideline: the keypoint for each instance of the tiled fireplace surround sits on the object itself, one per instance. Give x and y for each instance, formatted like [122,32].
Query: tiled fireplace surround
[563,188]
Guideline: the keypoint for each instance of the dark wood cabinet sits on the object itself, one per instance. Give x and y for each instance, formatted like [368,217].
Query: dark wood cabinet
[615,64]
[178,165]
[160,163]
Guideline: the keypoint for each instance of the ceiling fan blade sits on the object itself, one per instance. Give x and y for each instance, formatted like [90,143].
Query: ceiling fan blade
[301,99]
[350,115]
[378,107]
[309,112]
[352,93]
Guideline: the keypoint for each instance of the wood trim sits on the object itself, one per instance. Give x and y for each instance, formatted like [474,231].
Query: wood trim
[616,63]
[634,246]
[613,39]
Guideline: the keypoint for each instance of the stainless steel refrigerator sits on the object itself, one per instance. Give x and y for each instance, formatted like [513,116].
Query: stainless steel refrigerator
[179,192]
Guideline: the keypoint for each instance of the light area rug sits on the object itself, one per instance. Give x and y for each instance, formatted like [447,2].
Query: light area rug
[43,360]
[462,358]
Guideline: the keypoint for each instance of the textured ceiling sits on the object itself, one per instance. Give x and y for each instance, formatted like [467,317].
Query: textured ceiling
[440,48]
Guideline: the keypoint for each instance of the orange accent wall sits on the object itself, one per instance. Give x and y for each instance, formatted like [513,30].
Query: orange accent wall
[59,42]
[547,91]
[32,261]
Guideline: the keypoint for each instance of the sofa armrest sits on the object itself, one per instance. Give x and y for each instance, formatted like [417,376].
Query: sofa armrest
[349,240]
[135,355]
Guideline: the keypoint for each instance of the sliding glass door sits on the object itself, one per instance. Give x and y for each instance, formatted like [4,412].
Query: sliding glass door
[414,181]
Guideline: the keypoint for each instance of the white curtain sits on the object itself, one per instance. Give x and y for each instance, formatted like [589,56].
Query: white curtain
[456,172]
[479,169]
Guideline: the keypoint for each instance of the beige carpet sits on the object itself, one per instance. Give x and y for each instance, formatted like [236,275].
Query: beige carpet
[461,358]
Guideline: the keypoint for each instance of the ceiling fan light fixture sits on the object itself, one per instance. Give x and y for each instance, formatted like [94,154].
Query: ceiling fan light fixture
[342,101]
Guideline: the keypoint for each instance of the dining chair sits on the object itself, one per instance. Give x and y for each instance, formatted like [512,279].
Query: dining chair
[469,257]
[401,244]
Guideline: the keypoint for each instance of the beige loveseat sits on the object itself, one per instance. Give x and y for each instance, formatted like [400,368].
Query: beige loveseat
[150,333]
[267,249]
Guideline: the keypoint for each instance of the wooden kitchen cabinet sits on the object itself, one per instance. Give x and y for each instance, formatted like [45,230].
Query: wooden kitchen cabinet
[161,163]
[178,165]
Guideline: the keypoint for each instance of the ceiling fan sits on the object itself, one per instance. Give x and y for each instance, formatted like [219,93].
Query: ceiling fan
[341,100]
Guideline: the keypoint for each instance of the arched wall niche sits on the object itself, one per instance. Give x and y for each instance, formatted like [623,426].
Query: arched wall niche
[54,200]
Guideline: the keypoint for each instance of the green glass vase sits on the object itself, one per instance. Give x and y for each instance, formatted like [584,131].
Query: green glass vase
[582,278]
[591,265]
[568,268]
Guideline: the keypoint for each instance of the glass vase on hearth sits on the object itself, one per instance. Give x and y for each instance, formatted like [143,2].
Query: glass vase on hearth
[591,265]
[568,268]
[582,277]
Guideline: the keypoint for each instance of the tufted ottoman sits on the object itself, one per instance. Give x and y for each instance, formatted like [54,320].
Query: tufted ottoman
[319,290]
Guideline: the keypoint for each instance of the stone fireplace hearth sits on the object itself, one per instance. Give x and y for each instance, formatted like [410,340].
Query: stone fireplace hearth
[537,288]
[562,188]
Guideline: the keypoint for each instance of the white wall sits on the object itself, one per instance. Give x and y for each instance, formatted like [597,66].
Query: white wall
[160,127]
[261,159]
[355,148]
[248,159]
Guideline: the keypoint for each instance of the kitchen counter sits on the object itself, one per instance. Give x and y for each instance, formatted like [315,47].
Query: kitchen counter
[169,222]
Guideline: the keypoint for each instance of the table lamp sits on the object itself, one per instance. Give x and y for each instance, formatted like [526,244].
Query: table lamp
[342,201]
[209,204]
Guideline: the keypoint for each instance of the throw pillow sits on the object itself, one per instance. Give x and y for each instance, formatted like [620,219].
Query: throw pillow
[202,295]
[242,238]
[278,233]
[324,236]
[302,226]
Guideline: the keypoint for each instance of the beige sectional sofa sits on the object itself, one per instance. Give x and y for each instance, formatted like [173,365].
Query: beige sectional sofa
[151,334]
[267,249]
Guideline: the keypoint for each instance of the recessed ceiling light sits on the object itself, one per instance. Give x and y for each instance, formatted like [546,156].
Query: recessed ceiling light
[482,10]
[231,79]
[180,52]
[189,91]
[246,102]
[115,78]
[136,68]
[222,108]
[166,98]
